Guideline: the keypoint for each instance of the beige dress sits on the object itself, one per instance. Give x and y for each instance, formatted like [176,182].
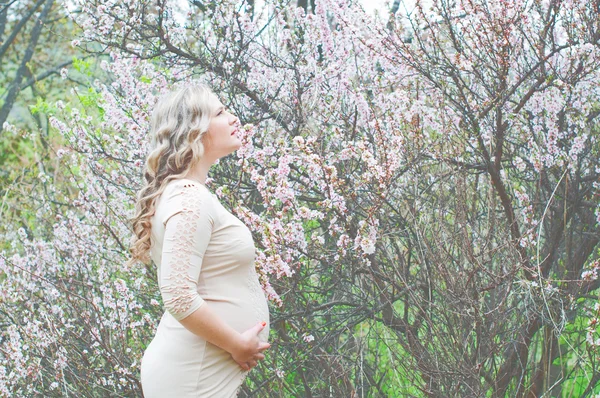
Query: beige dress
[205,256]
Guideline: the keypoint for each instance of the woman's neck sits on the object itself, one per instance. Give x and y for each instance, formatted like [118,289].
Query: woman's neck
[199,172]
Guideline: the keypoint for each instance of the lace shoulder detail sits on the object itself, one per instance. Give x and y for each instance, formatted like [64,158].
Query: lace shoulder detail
[187,233]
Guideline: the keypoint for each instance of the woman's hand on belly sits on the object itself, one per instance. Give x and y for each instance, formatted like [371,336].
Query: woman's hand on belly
[249,349]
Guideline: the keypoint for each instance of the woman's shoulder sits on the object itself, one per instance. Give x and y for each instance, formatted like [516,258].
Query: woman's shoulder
[185,195]
[182,185]
[184,190]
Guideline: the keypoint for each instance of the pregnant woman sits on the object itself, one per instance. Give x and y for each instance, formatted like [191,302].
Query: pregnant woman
[216,320]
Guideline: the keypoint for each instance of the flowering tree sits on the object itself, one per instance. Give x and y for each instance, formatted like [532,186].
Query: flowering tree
[423,194]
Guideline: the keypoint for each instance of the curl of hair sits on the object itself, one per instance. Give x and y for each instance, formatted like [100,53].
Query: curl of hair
[179,121]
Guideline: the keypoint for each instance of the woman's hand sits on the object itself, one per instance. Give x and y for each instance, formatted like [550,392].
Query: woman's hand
[249,349]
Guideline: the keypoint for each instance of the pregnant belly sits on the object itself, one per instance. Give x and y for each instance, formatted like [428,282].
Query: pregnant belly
[238,299]
[243,311]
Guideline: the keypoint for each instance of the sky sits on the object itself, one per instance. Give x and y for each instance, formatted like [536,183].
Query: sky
[371,6]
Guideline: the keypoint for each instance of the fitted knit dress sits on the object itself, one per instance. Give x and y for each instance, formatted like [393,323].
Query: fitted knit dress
[204,256]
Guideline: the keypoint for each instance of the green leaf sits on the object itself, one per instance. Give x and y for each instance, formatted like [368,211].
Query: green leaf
[82,66]
[41,106]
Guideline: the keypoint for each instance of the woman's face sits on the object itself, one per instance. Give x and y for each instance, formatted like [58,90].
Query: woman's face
[221,139]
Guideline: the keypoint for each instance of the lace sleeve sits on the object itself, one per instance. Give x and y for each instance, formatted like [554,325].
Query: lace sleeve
[187,233]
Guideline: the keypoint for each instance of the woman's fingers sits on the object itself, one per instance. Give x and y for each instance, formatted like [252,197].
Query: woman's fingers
[243,365]
[250,364]
[252,360]
[264,347]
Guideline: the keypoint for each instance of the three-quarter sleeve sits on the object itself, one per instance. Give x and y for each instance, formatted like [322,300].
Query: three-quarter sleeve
[188,226]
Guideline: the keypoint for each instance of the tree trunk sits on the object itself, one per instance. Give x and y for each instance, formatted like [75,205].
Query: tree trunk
[15,88]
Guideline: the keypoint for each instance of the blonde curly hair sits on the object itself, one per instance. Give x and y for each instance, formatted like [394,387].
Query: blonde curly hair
[179,121]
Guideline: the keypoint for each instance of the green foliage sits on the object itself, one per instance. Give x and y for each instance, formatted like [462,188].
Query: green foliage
[92,102]
[311,224]
[576,358]
[42,106]
[83,66]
